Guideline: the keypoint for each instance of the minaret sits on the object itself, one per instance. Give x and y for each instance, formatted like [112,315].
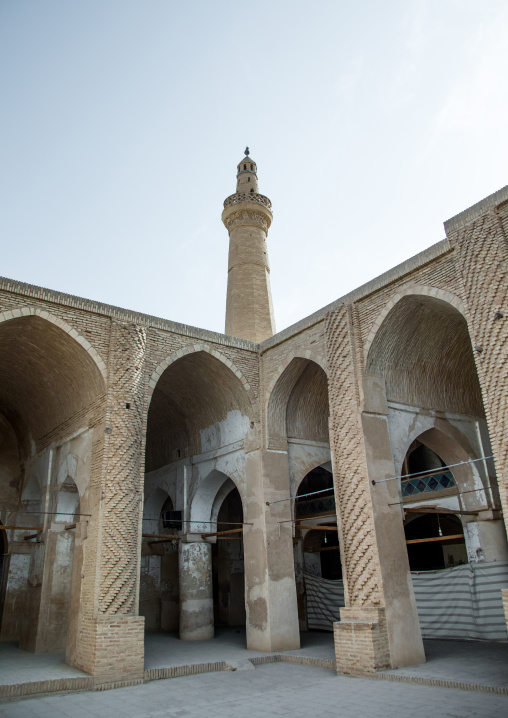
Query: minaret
[247,217]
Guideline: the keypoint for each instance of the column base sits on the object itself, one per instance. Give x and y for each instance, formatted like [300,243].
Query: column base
[111,649]
[361,641]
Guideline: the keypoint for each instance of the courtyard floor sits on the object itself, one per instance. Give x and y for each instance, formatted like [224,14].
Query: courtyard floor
[277,689]
[473,666]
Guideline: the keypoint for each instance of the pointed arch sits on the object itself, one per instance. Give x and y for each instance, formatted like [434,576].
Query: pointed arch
[199,403]
[48,373]
[298,404]
[422,349]
[208,497]
[407,290]
[193,349]
[59,322]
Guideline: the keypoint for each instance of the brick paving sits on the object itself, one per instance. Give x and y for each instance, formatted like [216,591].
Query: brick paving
[269,690]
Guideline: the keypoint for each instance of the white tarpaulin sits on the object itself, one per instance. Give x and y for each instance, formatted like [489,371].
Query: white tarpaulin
[460,602]
[324,598]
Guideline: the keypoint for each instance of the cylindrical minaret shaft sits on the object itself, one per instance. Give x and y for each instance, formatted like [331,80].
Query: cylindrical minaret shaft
[247,217]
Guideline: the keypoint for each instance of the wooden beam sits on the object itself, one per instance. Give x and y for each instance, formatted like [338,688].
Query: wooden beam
[161,536]
[222,533]
[318,528]
[30,536]
[437,538]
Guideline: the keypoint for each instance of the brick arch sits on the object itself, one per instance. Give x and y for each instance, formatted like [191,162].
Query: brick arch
[194,349]
[446,440]
[305,467]
[212,490]
[407,290]
[452,447]
[57,321]
[49,372]
[309,354]
[421,346]
[298,372]
[191,393]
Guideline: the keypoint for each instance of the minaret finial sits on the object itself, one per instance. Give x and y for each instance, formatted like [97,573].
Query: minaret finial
[247,151]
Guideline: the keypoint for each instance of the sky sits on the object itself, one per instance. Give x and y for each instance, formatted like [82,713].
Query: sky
[122,122]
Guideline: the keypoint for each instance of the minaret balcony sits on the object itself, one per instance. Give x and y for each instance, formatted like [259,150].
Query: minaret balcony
[247,197]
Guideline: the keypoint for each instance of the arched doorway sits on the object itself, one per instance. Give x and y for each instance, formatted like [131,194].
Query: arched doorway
[198,420]
[159,590]
[228,568]
[50,391]
[318,568]
[297,418]
[433,405]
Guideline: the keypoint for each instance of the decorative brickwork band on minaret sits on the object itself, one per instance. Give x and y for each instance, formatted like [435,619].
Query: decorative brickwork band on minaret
[247,217]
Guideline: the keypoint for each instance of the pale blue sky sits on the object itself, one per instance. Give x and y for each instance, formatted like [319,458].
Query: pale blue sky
[122,122]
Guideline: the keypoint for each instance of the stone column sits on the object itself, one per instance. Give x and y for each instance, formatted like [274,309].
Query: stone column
[196,594]
[300,584]
[15,571]
[49,592]
[272,610]
[379,624]
[107,634]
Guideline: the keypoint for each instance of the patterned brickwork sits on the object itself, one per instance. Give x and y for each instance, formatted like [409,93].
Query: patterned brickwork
[352,495]
[482,250]
[123,489]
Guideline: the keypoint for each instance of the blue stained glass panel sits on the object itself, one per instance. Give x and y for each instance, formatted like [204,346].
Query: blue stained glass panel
[427,484]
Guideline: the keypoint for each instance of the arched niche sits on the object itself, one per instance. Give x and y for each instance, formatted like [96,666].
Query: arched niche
[46,376]
[471,480]
[159,585]
[67,501]
[423,351]
[298,405]
[198,404]
[153,508]
[208,498]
